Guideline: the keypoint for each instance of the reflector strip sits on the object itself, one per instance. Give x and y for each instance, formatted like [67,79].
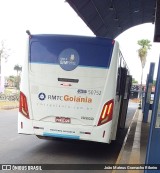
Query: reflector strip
[87,133]
[104,133]
[61,135]
[38,128]
[21,125]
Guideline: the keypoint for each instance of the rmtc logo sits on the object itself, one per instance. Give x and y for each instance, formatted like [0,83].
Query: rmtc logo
[65,98]
[41,96]
[53,97]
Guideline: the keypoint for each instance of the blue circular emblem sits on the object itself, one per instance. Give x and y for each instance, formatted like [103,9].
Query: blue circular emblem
[41,96]
[68,59]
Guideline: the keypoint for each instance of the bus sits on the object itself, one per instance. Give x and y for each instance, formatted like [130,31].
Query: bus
[73,87]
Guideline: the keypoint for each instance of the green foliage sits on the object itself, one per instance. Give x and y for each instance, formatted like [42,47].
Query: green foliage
[154,82]
[143,50]
[134,81]
[144,43]
[11,81]
[18,68]
[11,78]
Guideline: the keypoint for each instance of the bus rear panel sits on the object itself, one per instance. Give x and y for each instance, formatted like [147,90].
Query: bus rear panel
[68,87]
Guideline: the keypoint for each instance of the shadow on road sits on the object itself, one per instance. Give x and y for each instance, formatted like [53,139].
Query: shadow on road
[81,152]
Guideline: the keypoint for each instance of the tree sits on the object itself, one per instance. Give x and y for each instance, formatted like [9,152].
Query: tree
[134,81]
[142,53]
[18,69]
[3,55]
[11,80]
[143,50]
[154,82]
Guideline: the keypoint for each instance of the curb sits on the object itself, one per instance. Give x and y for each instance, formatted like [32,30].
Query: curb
[130,152]
[135,153]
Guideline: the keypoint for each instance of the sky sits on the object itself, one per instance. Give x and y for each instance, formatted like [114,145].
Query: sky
[57,17]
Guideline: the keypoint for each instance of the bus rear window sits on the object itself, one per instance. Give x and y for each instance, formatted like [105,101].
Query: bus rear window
[47,51]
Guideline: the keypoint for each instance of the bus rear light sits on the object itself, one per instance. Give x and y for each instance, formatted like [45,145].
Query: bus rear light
[104,133]
[86,133]
[107,112]
[21,125]
[23,107]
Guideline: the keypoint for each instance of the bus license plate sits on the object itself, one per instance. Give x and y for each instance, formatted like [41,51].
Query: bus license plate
[62,120]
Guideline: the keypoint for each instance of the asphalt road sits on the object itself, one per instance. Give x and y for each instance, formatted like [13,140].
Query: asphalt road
[28,149]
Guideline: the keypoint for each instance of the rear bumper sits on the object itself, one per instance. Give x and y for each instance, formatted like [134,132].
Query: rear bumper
[56,135]
[59,130]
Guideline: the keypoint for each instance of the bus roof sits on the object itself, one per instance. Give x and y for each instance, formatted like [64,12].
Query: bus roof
[74,38]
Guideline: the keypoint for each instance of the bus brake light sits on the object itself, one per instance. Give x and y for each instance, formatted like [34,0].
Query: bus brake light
[107,112]
[23,107]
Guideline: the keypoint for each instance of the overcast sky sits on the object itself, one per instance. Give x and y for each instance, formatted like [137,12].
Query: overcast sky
[57,17]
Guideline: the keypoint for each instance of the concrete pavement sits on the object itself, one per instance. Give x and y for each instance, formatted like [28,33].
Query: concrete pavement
[134,147]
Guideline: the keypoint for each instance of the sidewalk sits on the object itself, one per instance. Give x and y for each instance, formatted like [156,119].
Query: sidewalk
[134,147]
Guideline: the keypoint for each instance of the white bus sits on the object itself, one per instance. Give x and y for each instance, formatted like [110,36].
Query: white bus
[70,88]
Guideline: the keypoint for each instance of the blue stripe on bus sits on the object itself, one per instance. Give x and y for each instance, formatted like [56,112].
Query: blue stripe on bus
[78,66]
[61,135]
